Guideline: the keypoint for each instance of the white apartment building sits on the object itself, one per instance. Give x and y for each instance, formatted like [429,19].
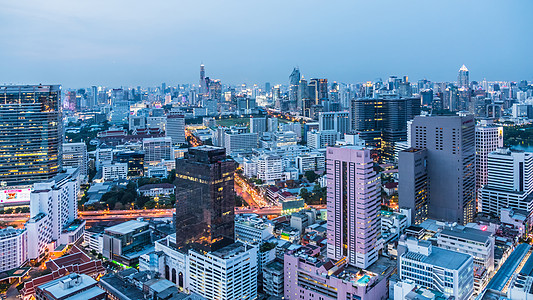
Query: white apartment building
[249,167]
[239,142]
[269,168]
[313,161]
[509,182]
[176,129]
[114,171]
[477,243]
[157,149]
[14,248]
[75,155]
[446,271]
[251,229]
[489,137]
[103,156]
[321,139]
[228,273]
[53,208]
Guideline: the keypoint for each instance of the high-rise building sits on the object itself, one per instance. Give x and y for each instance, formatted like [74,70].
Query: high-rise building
[203,85]
[489,137]
[205,199]
[30,135]
[75,155]
[413,187]
[135,161]
[176,129]
[462,78]
[450,144]
[509,182]
[53,214]
[294,82]
[354,199]
[337,121]
[239,142]
[321,139]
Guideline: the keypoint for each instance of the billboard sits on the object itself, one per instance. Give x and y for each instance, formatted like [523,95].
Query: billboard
[15,195]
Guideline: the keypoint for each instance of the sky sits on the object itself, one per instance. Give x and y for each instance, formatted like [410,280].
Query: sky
[129,43]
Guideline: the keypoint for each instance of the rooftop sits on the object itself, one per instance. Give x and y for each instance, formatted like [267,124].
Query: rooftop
[58,290]
[467,233]
[126,227]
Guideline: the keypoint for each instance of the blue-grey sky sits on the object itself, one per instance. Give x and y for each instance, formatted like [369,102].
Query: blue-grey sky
[115,42]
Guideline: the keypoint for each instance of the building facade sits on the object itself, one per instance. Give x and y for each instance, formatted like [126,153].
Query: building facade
[31,134]
[354,198]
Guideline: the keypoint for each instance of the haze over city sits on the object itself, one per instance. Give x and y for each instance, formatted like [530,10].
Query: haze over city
[118,43]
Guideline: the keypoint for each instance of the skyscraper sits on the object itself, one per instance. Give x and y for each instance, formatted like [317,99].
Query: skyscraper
[205,199]
[413,188]
[462,78]
[353,205]
[203,86]
[176,129]
[450,144]
[294,81]
[30,133]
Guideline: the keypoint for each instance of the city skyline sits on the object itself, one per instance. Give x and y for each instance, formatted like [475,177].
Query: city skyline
[83,45]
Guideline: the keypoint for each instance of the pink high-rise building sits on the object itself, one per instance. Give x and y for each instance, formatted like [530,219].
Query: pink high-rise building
[353,205]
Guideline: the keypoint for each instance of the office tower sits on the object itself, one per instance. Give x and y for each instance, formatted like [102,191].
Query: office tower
[294,81]
[205,199]
[268,89]
[322,90]
[157,149]
[367,117]
[30,135]
[94,97]
[303,93]
[462,78]
[120,107]
[258,125]
[203,84]
[450,144]
[413,186]
[251,229]
[509,182]
[337,121]
[446,271]
[354,199]
[215,90]
[426,96]
[176,129]
[381,122]
[276,96]
[53,209]
[75,155]
[489,137]
[228,273]
[312,91]
[114,171]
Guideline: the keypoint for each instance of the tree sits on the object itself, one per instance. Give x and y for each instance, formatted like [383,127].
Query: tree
[311,176]
[305,194]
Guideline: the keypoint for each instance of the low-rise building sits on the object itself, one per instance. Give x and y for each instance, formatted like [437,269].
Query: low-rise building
[114,171]
[127,241]
[446,271]
[273,278]
[157,189]
[70,287]
[251,229]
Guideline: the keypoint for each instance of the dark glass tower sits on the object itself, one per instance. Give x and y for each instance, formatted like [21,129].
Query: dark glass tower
[30,133]
[205,199]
